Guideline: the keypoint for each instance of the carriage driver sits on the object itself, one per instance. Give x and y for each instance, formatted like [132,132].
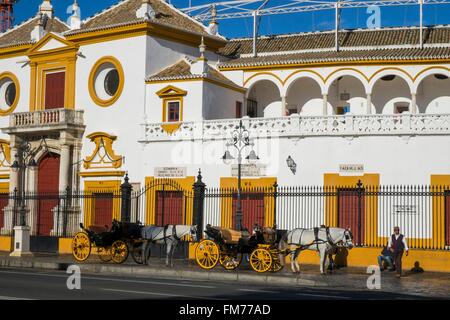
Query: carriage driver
[397,245]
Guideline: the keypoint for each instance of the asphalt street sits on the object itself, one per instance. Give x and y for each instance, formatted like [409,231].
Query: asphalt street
[17,284]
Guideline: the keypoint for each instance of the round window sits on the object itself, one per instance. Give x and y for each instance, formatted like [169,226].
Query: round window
[106,81]
[112,82]
[9,93]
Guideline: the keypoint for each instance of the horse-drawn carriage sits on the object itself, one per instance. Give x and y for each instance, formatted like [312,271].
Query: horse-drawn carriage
[227,246]
[111,244]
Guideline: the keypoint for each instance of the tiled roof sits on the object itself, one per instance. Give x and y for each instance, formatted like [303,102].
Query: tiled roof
[347,39]
[341,56]
[181,70]
[124,13]
[21,34]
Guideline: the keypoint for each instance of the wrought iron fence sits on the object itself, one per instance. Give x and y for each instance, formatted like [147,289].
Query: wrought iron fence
[371,212]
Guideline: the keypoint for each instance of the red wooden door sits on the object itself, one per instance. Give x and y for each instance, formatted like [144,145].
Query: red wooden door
[54,90]
[348,215]
[4,197]
[252,210]
[48,187]
[447,217]
[103,209]
[169,207]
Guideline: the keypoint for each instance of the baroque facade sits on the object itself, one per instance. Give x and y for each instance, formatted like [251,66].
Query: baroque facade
[143,89]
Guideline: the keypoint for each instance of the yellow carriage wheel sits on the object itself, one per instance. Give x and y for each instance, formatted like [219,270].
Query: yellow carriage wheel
[230,262]
[104,254]
[81,246]
[276,265]
[119,251]
[261,260]
[207,254]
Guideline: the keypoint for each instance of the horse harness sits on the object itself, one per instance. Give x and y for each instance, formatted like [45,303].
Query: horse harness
[316,241]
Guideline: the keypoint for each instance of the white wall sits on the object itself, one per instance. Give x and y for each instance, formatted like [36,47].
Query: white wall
[305,96]
[387,93]
[433,95]
[268,97]
[220,102]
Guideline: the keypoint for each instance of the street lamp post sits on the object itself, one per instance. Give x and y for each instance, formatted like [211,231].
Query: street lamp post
[240,140]
[24,158]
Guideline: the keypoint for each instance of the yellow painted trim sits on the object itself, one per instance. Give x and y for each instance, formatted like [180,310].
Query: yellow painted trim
[88,174]
[226,204]
[6,150]
[91,187]
[215,82]
[149,29]
[263,73]
[171,127]
[4,187]
[14,79]
[334,180]
[34,49]
[346,69]
[91,84]
[65,245]
[391,68]
[6,243]
[14,51]
[4,176]
[322,64]
[439,182]
[430,68]
[170,91]
[185,184]
[304,71]
[105,140]
[165,102]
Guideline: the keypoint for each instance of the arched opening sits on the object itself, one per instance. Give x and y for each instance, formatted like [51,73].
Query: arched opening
[347,94]
[47,188]
[264,100]
[304,97]
[433,94]
[391,95]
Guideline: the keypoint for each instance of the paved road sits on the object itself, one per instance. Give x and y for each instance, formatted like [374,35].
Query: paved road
[44,284]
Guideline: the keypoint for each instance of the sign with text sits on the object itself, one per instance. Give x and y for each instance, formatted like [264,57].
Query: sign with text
[249,170]
[170,172]
[351,169]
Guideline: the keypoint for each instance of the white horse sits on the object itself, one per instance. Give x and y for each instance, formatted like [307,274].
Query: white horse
[325,241]
[170,235]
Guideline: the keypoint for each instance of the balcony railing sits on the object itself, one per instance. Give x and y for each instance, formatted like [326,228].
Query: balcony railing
[298,126]
[53,118]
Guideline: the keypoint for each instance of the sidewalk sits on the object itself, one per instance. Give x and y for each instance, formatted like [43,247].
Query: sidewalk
[427,284]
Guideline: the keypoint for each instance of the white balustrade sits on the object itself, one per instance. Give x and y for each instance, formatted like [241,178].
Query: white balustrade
[295,125]
[46,117]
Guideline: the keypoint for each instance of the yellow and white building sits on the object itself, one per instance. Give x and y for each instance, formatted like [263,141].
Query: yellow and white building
[144,89]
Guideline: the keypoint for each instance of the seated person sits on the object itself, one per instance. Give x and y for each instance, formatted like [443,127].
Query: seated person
[386,258]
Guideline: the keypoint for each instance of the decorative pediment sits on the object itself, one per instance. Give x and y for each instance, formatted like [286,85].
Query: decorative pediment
[171,91]
[50,43]
[103,155]
[5,155]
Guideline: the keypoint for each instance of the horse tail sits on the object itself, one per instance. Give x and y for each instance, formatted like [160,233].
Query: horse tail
[282,249]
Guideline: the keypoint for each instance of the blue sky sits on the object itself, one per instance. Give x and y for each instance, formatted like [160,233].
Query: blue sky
[276,24]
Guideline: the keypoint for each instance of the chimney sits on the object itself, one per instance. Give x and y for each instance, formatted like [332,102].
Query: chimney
[46,8]
[213,27]
[75,19]
[145,11]
[38,31]
[201,65]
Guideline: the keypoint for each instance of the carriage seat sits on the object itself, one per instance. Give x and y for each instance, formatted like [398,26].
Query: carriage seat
[232,236]
[97,229]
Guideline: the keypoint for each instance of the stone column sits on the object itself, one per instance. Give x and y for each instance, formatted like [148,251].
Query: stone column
[369,103]
[64,167]
[325,104]
[283,106]
[413,103]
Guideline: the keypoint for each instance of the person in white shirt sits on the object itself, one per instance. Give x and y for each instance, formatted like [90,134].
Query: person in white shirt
[397,245]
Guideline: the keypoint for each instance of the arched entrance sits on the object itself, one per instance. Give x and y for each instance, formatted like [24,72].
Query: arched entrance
[47,188]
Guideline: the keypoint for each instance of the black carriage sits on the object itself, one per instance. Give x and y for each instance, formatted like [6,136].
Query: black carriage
[112,244]
[227,247]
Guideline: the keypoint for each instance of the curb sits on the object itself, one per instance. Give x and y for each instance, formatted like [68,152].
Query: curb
[142,271]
